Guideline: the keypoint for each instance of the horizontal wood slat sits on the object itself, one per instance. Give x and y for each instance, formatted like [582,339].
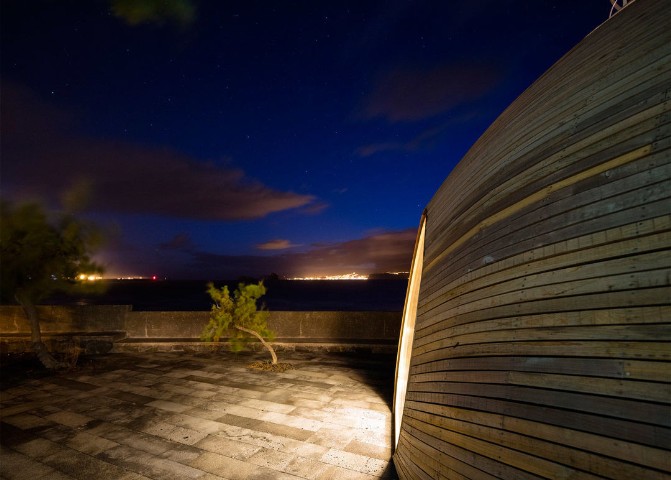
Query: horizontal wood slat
[616,242]
[645,391]
[608,428]
[541,345]
[596,367]
[563,219]
[520,460]
[614,449]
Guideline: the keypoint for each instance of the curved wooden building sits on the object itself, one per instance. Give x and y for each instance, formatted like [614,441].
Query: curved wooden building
[536,340]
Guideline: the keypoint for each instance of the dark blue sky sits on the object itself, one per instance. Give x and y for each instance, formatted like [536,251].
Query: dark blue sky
[256,137]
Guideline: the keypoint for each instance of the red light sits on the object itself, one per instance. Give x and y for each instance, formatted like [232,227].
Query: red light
[153,277]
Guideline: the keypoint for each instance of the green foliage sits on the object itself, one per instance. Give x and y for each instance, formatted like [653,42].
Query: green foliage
[39,256]
[238,310]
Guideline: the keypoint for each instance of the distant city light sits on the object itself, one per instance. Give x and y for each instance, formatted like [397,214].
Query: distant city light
[346,276]
[90,278]
[135,277]
[354,276]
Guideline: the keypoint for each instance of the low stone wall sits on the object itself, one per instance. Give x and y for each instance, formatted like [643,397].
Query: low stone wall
[59,319]
[127,330]
[158,325]
[286,325]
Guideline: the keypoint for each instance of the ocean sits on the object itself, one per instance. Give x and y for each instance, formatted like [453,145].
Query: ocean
[282,295]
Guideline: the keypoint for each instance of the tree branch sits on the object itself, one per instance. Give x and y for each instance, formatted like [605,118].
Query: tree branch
[265,344]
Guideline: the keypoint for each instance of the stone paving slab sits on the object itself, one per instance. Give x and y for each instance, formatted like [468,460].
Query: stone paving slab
[201,416]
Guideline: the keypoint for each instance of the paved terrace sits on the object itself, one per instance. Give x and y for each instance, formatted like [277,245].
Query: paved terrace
[201,416]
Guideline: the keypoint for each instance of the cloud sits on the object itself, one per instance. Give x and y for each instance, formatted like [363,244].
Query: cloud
[374,148]
[136,12]
[375,253]
[424,139]
[405,95]
[180,242]
[41,157]
[178,258]
[278,244]
[314,208]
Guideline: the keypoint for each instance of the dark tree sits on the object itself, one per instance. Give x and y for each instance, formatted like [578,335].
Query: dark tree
[40,256]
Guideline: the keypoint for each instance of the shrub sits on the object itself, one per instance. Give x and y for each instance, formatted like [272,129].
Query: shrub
[238,317]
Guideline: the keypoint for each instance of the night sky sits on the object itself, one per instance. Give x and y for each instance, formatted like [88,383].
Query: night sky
[244,138]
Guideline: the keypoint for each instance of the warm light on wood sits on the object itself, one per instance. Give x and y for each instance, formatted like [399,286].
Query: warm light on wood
[408,329]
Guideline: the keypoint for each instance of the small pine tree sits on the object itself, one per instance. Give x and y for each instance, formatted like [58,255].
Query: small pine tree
[238,316]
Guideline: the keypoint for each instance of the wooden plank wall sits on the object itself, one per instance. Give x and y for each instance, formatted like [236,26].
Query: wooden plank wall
[542,345]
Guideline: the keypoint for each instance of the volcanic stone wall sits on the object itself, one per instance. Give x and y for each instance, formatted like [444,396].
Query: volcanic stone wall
[123,329]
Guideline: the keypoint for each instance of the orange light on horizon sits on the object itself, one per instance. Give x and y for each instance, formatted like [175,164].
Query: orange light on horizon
[89,278]
[346,276]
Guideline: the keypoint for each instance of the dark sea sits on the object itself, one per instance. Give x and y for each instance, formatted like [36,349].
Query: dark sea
[286,295]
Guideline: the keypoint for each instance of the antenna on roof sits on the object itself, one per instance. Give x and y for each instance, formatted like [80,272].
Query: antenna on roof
[616,7]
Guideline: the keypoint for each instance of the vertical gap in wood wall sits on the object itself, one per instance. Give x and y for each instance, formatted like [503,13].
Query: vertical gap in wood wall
[408,329]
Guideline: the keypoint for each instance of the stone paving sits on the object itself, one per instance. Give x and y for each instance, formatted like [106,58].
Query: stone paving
[188,416]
